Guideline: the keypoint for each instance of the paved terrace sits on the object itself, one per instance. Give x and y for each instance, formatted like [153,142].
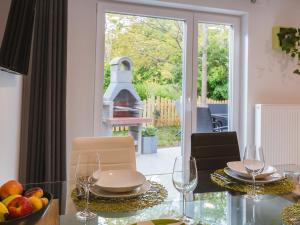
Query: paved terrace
[158,163]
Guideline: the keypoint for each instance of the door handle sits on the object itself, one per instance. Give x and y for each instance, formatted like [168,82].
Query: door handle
[189,104]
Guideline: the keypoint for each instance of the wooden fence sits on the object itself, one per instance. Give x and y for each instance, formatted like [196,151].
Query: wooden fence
[164,111]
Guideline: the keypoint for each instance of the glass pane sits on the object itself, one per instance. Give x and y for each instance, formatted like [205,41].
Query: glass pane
[213,76]
[142,92]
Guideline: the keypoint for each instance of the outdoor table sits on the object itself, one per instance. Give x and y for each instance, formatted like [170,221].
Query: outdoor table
[214,208]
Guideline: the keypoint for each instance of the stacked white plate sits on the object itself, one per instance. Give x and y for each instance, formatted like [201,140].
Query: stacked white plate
[120,183]
[237,170]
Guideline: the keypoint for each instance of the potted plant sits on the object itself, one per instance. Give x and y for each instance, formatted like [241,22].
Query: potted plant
[289,42]
[149,142]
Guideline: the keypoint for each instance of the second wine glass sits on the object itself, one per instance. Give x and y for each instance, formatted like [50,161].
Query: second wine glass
[185,179]
[254,163]
[88,164]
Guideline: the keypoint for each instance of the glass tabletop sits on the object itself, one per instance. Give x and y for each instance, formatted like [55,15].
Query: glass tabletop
[215,208]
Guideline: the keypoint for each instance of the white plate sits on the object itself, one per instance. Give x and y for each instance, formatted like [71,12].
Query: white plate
[272,178]
[118,181]
[238,167]
[136,192]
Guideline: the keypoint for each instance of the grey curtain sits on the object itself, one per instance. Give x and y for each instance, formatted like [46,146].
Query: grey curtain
[16,43]
[46,144]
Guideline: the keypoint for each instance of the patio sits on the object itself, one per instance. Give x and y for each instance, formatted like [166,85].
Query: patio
[158,163]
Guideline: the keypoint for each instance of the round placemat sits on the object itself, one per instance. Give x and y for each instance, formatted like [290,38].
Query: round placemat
[156,195]
[291,214]
[275,188]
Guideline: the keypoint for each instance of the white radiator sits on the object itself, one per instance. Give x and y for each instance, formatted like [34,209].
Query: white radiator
[277,130]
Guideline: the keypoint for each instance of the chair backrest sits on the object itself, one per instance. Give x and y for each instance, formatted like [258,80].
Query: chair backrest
[204,120]
[114,152]
[218,108]
[212,151]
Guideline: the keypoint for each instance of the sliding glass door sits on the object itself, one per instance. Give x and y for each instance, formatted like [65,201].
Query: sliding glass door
[156,68]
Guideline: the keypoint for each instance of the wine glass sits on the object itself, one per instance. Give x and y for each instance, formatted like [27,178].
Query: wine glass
[86,176]
[185,179]
[254,164]
[251,219]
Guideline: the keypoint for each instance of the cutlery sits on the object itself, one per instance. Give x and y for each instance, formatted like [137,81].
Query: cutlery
[223,179]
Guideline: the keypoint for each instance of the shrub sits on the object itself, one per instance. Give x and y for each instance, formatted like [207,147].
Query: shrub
[149,131]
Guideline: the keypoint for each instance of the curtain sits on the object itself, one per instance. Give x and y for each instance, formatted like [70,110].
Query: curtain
[16,43]
[46,138]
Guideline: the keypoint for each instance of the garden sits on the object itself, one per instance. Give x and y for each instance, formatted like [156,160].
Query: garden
[156,49]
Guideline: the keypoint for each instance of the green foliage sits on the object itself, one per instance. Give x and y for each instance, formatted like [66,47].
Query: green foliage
[217,63]
[141,89]
[289,39]
[149,131]
[168,136]
[156,48]
[106,76]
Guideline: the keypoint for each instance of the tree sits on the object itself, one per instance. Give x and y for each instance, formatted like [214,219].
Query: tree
[156,48]
[217,61]
[204,65]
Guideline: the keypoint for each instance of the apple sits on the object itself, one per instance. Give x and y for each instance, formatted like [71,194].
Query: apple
[19,207]
[11,187]
[37,203]
[7,200]
[36,191]
[45,201]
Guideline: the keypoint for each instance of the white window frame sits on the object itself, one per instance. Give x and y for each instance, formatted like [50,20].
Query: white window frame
[189,78]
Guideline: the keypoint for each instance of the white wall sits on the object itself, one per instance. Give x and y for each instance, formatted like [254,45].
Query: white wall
[10,123]
[269,73]
[81,68]
[10,113]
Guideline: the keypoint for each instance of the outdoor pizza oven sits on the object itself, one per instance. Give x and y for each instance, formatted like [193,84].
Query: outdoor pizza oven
[122,106]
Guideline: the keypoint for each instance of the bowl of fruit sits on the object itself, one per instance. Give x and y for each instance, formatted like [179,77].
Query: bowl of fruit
[19,206]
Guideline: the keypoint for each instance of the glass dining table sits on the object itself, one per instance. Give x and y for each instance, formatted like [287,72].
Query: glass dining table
[212,208]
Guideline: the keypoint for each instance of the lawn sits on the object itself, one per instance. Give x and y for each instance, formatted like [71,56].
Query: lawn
[167,136]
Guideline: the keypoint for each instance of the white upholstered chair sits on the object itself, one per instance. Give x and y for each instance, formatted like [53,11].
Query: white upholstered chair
[115,152]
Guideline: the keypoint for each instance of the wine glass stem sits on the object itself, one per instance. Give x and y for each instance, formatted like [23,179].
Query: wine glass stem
[253,186]
[87,196]
[183,204]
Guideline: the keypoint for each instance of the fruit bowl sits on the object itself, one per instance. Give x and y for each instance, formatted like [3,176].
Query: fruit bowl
[31,218]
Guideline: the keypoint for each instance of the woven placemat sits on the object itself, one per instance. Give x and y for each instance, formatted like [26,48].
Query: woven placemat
[156,195]
[275,188]
[291,214]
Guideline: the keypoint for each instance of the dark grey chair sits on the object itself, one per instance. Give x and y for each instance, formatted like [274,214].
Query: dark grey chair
[205,123]
[219,109]
[212,151]
[204,120]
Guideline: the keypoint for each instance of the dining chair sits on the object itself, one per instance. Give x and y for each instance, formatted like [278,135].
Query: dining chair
[220,109]
[205,123]
[114,152]
[212,151]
